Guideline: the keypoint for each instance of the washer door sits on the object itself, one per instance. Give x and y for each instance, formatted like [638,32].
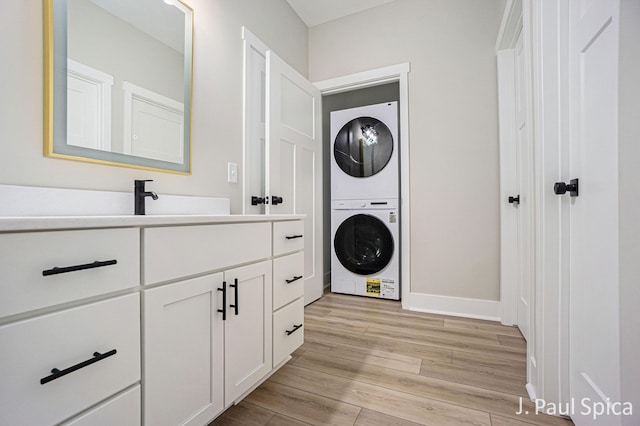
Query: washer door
[363,147]
[363,244]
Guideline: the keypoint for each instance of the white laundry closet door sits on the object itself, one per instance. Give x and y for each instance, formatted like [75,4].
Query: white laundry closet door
[294,166]
[594,270]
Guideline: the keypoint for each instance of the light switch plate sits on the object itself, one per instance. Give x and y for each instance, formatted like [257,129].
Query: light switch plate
[232,173]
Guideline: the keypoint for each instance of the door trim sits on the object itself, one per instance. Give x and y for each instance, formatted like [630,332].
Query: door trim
[377,77]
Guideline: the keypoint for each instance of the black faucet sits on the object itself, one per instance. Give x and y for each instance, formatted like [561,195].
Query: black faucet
[140,194]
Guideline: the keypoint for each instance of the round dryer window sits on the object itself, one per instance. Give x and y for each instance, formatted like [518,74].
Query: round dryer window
[363,147]
[363,244]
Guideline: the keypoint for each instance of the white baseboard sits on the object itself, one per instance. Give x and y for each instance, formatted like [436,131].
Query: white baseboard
[455,306]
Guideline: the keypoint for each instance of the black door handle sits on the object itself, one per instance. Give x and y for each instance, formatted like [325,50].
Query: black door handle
[235,288]
[259,200]
[572,187]
[224,300]
[514,200]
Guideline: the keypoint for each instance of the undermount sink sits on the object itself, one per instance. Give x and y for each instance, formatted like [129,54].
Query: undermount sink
[27,201]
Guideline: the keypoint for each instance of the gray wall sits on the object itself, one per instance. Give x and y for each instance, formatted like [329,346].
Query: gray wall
[629,199]
[217,98]
[355,98]
[453,128]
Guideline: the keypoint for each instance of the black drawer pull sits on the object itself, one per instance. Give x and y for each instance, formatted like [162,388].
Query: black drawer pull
[293,237]
[97,264]
[224,300]
[295,328]
[97,356]
[235,290]
[299,277]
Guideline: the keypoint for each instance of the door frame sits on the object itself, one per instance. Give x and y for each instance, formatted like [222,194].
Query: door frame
[375,77]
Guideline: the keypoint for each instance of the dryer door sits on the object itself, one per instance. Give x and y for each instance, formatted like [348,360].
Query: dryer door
[363,147]
[363,244]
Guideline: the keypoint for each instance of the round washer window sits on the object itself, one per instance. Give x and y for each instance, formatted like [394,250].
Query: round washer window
[363,244]
[363,147]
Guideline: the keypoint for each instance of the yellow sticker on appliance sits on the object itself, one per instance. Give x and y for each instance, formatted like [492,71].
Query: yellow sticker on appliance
[373,287]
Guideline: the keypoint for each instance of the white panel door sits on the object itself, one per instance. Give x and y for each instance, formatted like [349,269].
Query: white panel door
[594,293]
[524,170]
[247,328]
[294,166]
[157,132]
[183,353]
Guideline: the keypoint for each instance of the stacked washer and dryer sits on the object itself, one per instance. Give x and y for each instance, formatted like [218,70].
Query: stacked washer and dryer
[365,256]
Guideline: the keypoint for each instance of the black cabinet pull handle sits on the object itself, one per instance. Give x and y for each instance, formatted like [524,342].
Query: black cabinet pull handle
[293,237]
[235,288]
[56,374]
[295,328]
[514,200]
[275,200]
[295,278]
[224,300]
[97,264]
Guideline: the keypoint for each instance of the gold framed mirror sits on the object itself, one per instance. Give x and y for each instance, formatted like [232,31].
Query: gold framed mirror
[118,82]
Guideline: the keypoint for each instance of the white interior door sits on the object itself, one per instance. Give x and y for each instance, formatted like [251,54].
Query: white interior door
[294,166]
[524,170]
[594,294]
[254,123]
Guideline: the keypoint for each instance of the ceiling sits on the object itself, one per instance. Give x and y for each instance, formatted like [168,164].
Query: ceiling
[315,12]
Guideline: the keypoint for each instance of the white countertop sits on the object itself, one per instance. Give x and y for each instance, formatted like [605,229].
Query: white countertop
[44,223]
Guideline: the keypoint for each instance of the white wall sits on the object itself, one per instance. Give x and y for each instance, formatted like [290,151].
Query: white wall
[629,187]
[217,98]
[453,124]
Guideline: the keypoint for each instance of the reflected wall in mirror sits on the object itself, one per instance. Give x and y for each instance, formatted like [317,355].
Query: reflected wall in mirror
[118,82]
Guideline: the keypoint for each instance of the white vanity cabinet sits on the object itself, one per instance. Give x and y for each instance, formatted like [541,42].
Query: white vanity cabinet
[144,320]
[209,312]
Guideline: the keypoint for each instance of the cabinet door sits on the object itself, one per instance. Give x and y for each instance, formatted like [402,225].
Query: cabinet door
[248,327]
[183,352]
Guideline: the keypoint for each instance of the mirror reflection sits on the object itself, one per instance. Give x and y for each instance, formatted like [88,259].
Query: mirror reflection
[122,82]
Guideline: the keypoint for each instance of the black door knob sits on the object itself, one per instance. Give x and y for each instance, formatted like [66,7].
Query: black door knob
[259,200]
[514,200]
[561,188]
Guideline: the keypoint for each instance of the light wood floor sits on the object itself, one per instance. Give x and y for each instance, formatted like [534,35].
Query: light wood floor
[368,362]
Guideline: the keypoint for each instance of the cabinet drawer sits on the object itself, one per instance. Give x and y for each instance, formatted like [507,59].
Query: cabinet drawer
[122,410]
[288,279]
[288,237]
[288,332]
[24,257]
[181,251]
[30,349]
